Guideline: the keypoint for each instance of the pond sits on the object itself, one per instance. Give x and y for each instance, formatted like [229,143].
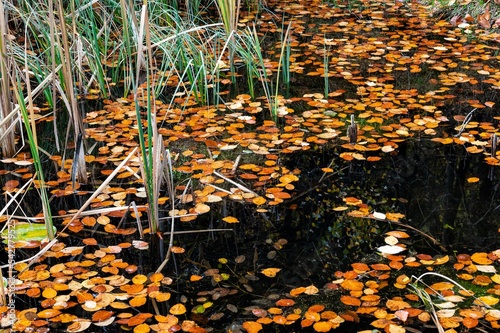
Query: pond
[324,165]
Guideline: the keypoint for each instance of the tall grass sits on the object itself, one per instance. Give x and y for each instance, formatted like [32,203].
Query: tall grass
[285,55]
[28,116]
[7,117]
[284,62]
[250,52]
[147,139]
[229,11]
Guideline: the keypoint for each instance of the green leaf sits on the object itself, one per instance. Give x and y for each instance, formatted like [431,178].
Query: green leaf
[27,232]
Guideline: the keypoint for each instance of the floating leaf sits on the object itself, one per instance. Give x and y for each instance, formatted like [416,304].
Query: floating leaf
[481,258]
[178,309]
[285,302]
[27,232]
[270,272]
[391,249]
[349,300]
[201,208]
[488,300]
[311,290]
[398,234]
[194,278]
[259,201]
[472,179]
[322,326]
[48,313]
[252,326]
[230,219]
[101,315]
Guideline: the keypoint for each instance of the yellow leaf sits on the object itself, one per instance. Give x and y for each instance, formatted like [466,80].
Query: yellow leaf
[139,279]
[230,219]
[488,300]
[259,201]
[178,309]
[496,278]
[481,258]
[142,328]
[288,178]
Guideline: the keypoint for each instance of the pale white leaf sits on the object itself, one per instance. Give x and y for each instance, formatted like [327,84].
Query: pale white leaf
[486,268]
[390,249]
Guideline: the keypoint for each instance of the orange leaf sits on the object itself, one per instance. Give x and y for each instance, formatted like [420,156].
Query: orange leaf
[395,305]
[349,300]
[102,315]
[285,302]
[352,285]
[194,278]
[470,322]
[156,277]
[280,320]
[316,308]
[137,301]
[481,258]
[398,234]
[252,326]
[322,326]
[297,291]
[270,272]
[48,313]
[360,267]
[380,267]
[177,249]
[89,221]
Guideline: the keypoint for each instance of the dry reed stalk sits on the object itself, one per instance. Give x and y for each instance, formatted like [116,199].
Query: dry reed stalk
[8,139]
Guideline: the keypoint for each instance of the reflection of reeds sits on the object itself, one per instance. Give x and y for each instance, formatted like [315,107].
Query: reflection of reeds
[326,69]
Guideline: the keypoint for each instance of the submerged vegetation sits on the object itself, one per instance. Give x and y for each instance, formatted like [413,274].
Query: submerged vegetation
[241,165]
